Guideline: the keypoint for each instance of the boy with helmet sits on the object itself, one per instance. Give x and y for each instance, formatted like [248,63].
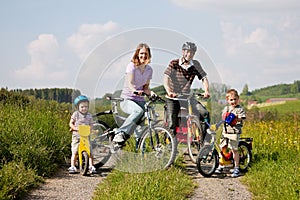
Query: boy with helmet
[178,78]
[79,117]
[233,114]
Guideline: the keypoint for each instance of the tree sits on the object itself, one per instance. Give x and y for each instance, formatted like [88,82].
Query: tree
[245,91]
[295,87]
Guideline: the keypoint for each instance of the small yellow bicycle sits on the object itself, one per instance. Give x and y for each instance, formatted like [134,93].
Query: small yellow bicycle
[84,152]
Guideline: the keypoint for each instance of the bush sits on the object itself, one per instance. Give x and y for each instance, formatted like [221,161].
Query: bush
[16,179]
[34,141]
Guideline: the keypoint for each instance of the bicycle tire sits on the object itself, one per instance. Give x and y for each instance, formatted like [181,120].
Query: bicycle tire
[85,163]
[207,160]
[245,156]
[193,142]
[165,147]
[100,144]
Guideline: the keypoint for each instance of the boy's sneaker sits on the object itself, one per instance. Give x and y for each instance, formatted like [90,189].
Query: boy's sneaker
[219,170]
[92,170]
[72,170]
[119,137]
[236,173]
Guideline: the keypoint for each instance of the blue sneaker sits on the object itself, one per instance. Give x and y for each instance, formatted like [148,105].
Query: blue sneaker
[236,173]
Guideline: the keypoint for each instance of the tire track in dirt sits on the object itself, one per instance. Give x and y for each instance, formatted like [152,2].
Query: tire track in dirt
[217,187]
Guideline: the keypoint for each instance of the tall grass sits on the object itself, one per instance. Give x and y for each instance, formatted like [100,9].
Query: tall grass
[34,140]
[275,172]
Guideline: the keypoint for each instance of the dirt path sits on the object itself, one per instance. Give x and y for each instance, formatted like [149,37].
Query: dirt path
[66,186]
[217,187]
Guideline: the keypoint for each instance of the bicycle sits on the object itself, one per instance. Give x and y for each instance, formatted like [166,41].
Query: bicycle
[100,141]
[156,143]
[84,148]
[190,129]
[208,158]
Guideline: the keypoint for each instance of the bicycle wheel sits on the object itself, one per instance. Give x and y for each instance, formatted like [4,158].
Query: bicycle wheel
[245,156]
[194,138]
[100,144]
[207,160]
[85,163]
[158,148]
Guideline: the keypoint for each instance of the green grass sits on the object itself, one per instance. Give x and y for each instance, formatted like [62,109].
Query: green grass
[173,184]
[288,107]
[275,171]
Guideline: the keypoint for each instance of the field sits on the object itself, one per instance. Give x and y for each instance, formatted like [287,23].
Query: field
[34,141]
[275,173]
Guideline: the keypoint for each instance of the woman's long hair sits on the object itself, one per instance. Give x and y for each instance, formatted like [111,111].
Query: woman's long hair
[135,58]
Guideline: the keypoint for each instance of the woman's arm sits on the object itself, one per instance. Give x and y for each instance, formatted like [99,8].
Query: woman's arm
[130,80]
[146,88]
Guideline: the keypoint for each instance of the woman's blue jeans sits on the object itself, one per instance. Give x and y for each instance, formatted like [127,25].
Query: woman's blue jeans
[135,109]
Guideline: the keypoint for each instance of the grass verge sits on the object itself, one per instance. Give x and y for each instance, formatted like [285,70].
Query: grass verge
[173,183]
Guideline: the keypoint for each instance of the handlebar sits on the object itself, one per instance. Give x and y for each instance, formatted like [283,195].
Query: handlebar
[152,98]
[185,96]
[110,98]
[106,112]
[214,127]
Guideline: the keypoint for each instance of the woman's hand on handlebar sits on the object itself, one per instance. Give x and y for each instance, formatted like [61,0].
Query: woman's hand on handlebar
[139,92]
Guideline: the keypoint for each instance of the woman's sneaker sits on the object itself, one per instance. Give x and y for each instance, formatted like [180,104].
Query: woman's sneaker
[119,137]
[236,172]
[72,170]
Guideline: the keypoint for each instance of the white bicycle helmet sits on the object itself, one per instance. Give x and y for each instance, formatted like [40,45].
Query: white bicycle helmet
[189,46]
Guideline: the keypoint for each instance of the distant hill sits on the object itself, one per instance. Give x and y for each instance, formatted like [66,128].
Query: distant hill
[279,90]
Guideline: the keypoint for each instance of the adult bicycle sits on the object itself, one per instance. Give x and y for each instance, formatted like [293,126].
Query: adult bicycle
[208,158]
[190,129]
[156,145]
[157,141]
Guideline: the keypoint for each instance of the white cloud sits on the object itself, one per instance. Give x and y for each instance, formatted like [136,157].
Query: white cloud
[262,55]
[46,63]
[50,63]
[90,35]
[271,41]
[245,5]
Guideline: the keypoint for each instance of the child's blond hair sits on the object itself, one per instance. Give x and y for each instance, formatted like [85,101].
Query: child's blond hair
[232,92]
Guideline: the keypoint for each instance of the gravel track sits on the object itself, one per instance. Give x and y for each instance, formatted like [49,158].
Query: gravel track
[75,186]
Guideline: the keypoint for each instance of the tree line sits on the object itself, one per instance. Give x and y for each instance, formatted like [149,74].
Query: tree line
[61,95]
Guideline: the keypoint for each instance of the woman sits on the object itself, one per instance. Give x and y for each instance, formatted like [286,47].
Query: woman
[138,76]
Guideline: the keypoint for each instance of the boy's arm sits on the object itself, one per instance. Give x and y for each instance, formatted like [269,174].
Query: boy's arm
[241,115]
[72,125]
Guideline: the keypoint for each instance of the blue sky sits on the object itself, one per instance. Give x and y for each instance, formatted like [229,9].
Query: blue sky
[51,43]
